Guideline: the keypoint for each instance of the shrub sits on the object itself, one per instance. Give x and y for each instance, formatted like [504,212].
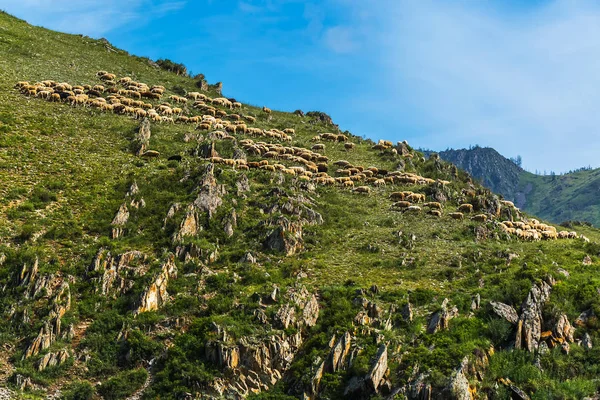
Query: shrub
[123,384]
[78,391]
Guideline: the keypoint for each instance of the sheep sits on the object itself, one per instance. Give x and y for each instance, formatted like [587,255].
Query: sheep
[250,118]
[108,77]
[54,97]
[413,209]
[433,205]
[349,146]
[415,197]
[237,104]
[379,182]
[348,184]
[289,131]
[456,215]
[549,235]
[318,147]
[480,218]
[436,213]
[98,88]
[402,204]
[266,110]
[465,208]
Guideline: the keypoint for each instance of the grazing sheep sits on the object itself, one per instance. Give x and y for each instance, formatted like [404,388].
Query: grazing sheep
[402,204]
[318,147]
[237,104]
[413,209]
[348,184]
[465,208]
[480,218]
[266,110]
[289,131]
[108,77]
[433,205]
[436,213]
[54,97]
[456,215]
[349,146]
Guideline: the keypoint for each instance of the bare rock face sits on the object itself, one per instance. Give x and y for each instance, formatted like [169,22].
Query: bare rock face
[286,316]
[141,139]
[209,196]
[459,385]
[242,185]
[440,319]
[505,311]
[286,237]
[339,353]
[115,272]
[119,221]
[529,326]
[208,150]
[190,225]
[586,342]
[156,295]
[563,329]
[378,370]
[310,312]
[53,359]
[41,342]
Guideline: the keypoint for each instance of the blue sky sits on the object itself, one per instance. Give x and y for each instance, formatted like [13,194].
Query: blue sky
[520,76]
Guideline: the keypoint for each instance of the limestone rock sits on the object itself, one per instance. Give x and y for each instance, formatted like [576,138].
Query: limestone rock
[459,385]
[529,326]
[141,139]
[286,316]
[156,295]
[440,319]
[119,221]
[116,272]
[53,359]
[378,370]
[190,225]
[285,238]
[563,329]
[339,353]
[310,312]
[505,311]
[586,342]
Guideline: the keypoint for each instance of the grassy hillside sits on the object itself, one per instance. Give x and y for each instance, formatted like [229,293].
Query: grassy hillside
[558,198]
[208,277]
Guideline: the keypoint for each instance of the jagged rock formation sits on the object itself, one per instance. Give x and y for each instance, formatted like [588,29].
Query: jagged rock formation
[286,237]
[156,295]
[440,319]
[529,325]
[116,273]
[53,359]
[505,311]
[142,138]
[119,221]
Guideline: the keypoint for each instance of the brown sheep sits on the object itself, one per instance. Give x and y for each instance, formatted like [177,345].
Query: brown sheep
[465,208]
[436,213]
[456,215]
[349,146]
[266,110]
[480,218]
[318,147]
[433,205]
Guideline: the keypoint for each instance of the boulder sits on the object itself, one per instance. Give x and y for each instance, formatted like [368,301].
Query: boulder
[378,370]
[505,311]
[529,325]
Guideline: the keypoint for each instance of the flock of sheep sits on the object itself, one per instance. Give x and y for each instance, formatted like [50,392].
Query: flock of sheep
[128,97]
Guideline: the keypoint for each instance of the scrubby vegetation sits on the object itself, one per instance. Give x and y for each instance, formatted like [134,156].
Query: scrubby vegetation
[220,272]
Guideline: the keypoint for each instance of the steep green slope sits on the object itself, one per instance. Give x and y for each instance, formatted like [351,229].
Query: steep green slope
[558,198]
[207,275]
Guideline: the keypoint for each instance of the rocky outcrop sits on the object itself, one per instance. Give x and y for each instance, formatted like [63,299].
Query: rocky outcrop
[190,225]
[505,311]
[310,311]
[286,316]
[41,342]
[119,221]
[563,329]
[459,384]
[586,341]
[339,353]
[53,359]
[286,237]
[141,140]
[440,319]
[375,381]
[209,192]
[116,273]
[529,325]
[156,295]
[407,312]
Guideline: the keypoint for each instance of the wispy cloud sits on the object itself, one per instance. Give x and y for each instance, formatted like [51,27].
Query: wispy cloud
[89,17]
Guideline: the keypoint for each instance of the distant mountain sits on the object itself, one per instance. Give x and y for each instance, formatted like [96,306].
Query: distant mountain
[558,198]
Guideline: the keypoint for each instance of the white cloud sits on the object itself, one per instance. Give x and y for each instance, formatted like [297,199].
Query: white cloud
[522,82]
[89,17]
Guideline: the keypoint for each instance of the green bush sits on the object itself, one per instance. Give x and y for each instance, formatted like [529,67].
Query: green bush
[80,390]
[123,384]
